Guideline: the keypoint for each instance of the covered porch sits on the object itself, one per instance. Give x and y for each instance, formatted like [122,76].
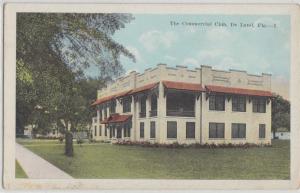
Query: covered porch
[118,126]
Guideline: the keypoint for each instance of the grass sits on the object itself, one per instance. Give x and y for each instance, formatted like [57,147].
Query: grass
[19,171]
[113,161]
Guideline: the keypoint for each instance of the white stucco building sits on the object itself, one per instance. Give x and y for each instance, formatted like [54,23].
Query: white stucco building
[167,105]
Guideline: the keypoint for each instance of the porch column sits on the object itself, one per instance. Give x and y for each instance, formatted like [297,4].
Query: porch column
[98,121]
[161,113]
[148,105]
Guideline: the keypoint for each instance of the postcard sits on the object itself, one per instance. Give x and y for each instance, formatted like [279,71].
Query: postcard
[151,96]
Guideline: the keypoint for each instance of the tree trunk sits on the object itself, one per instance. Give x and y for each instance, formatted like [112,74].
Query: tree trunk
[69,144]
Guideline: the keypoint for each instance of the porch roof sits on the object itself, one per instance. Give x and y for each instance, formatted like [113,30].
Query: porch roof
[125,93]
[144,88]
[240,91]
[183,86]
[108,98]
[116,118]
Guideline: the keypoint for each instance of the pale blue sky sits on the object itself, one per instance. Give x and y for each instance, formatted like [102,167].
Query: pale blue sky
[152,39]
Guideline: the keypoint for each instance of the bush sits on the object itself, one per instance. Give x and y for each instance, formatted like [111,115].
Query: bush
[194,145]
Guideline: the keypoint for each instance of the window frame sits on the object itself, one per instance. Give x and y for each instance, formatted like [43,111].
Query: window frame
[187,134]
[170,128]
[216,126]
[152,129]
[126,104]
[260,132]
[142,128]
[214,100]
[239,103]
[239,128]
[259,105]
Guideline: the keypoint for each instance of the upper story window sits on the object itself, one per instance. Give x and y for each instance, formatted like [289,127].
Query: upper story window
[143,107]
[153,111]
[100,113]
[217,102]
[259,105]
[112,107]
[239,103]
[126,104]
[181,104]
[105,112]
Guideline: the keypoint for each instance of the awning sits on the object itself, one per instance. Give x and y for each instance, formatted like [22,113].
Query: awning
[239,91]
[144,88]
[183,86]
[116,118]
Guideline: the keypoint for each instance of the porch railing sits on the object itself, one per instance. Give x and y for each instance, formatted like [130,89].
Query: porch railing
[142,114]
[153,113]
[181,113]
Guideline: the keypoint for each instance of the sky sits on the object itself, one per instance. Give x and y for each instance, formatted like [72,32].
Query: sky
[214,41]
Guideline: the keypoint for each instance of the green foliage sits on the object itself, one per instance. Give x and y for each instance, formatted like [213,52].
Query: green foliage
[53,51]
[280,113]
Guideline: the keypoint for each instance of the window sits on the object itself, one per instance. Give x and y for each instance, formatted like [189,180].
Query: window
[172,129]
[153,111]
[152,129]
[216,130]
[101,115]
[105,131]
[112,107]
[181,104]
[100,131]
[259,105]
[190,130]
[127,128]
[105,113]
[142,130]
[95,130]
[217,102]
[126,104]
[239,103]
[110,132]
[262,131]
[143,107]
[238,130]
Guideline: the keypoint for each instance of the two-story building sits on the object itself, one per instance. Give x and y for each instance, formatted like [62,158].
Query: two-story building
[167,105]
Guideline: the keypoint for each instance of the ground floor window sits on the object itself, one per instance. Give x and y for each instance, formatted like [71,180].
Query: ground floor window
[190,130]
[152,129]
[238,130]
[127,130]
[100,131]
[172,129]
[262,131]
[105,131]
[95,130]
[142,135]
[216,130]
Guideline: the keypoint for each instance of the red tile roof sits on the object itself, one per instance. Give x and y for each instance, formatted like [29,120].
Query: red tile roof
[121,94]
[183,86]
[144,88]
[241,91]
[116,118]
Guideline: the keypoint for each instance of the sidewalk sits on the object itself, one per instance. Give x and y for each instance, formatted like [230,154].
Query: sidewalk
[36,167]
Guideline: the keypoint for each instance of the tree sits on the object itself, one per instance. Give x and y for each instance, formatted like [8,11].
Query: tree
[53,51]
[280,113]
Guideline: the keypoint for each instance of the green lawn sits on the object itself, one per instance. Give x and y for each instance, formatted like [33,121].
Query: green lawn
[113,161]
[19,171]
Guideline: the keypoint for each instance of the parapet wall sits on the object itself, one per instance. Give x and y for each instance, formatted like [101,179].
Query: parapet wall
[204,75]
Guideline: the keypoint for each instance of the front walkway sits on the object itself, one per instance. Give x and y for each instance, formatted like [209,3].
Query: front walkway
[36,167]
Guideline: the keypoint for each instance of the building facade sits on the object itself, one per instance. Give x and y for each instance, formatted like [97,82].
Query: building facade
[167,105]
